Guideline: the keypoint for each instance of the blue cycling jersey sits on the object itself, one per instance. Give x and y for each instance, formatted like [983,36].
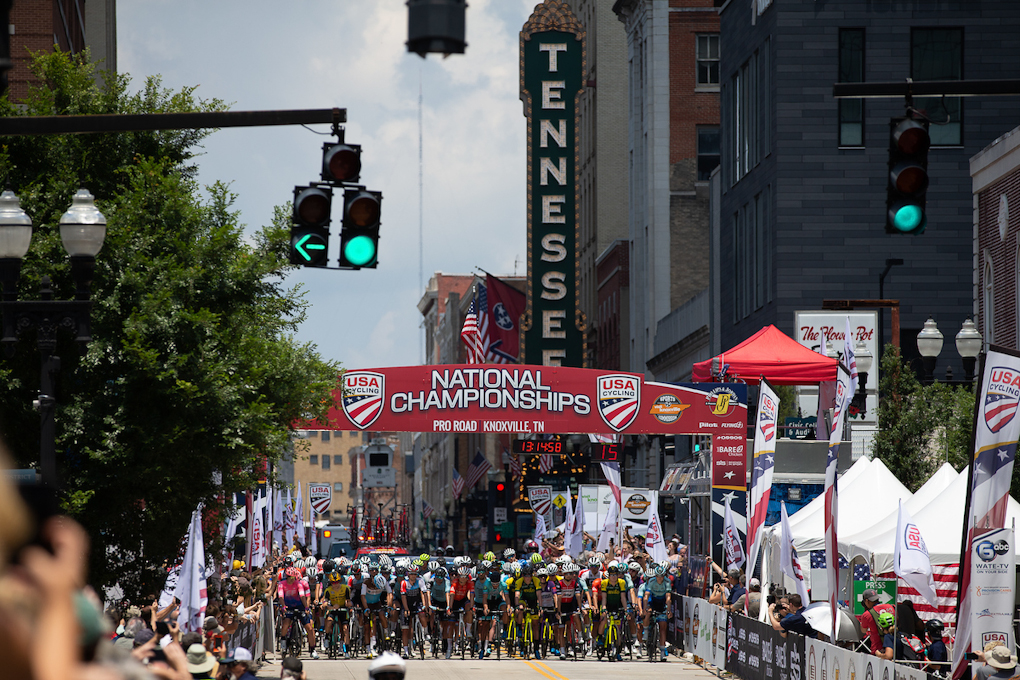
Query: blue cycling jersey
[372,593]
[657,590]
[483,586]
[438,590]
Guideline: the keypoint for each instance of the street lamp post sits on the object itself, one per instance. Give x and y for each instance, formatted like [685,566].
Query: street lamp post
[82,232]
[864,359]
[929,345]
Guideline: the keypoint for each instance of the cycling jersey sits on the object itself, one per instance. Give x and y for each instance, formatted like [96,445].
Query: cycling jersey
[337,594]
[412,587]
[461,588]
[547,594]
[438,590]
[372,593]
[528,589]
[483,589]
[657,590]
[614,592]
[568,589]
[292,593]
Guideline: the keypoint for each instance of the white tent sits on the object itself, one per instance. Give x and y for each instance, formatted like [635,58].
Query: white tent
[817,505]
[930,491]
[941,525]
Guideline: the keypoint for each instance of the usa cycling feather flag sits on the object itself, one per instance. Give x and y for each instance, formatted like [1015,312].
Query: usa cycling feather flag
[831,492]
[996,430]
[764,463]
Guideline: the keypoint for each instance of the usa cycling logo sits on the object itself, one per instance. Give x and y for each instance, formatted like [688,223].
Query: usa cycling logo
[619,397]
[364,393]
[1002,397]
[767,419]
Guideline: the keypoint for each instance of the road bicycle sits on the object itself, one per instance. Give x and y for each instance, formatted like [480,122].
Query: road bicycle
[356,647]
[652,642]
[293,642]
[418,635]
[334,645]
[526,635]
[613,628]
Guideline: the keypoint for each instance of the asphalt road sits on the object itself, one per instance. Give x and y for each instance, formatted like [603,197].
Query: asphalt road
[507,669]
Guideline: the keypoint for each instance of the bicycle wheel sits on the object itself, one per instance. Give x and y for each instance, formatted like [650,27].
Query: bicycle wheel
[651,646]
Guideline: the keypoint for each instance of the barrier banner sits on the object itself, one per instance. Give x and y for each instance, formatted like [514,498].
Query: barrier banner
[706,635]
[827,662]
[754,651]
[532,399]
[992,577]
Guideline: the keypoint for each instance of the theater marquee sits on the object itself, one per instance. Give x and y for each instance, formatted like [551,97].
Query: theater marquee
[552,66]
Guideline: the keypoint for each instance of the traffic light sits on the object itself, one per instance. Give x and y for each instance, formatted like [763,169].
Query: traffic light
[499,537]
[341,163]
[359,238]
[309,234]
[908,176]
[500,487]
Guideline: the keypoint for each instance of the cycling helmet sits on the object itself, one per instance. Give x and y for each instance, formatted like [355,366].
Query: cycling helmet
[311,572]
[531,545]
[886,620]
[634,566]
[385,561]
[551,569]
[288,560]
[527,569]
[510,554]
[614,568]
[542,571]
[508,567]
[649,573]
[516,566]
[387,662]
[334,576]
[424,557]
[595,562]
[489,556]
[486,565]
[457,561]
[401,570]
[372,566]
[413,569]
[536,559]
[327,566]
[441,572]
[380,581]
[433,565]
[660,570]
[292,572]
[449,551]
[464,571]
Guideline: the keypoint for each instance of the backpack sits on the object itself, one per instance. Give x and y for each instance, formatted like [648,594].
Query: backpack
[910,648]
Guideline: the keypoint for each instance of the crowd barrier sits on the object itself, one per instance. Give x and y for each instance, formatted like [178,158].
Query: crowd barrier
[258,637]
[752,650]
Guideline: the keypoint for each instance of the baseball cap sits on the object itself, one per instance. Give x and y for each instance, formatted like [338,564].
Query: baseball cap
[292,663]
[755,583]
[143,636]
[240,654]
[870,595]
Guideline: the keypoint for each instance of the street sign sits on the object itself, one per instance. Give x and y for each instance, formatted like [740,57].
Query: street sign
[21,476]
[559,500]
[800,428]
[320,496]
[498,515]
[884,587]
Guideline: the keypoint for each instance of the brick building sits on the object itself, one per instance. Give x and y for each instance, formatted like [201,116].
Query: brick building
[72,25]
[995,172]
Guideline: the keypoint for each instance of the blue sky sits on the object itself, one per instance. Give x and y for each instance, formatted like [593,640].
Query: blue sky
[263,55]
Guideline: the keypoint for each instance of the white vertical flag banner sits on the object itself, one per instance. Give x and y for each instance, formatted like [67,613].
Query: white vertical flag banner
[655,544]
[278,517]
[289,523]
[850,359]
[831,491]
[539,534]
[826,397]
[996,430]
[789,564]
[299,505]
[910,557]
[731,540]
[577,530]
[257,529]
[191,588]
[608,527]
[763,465]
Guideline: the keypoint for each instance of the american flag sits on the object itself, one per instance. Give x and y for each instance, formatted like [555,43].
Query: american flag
[492,351]
[831,492]
[545,462]
[479,466]
[862,572]
[996,431]
[612,473]
[458,484]
[426,509]
[515,465]
[471,337]
[850,358]
[946,589]
[818,560]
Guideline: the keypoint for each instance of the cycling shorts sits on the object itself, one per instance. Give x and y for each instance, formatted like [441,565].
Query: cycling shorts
[299,615]
[657,604]
[339,615]
[460,605]
[568,607]
[376,606]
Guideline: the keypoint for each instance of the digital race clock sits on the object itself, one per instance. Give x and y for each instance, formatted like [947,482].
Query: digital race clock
[535,446]
[608,453]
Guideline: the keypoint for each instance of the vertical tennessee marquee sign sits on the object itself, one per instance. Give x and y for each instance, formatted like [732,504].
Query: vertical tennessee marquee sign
[553,58]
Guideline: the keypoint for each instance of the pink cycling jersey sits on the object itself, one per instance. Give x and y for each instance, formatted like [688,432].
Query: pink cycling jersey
[293,592]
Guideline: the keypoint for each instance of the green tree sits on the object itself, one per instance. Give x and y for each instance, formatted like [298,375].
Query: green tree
[920,426]
[193,379]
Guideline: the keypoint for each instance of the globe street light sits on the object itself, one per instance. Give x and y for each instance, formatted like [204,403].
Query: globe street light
[82,232]
[929,344]
[968,344]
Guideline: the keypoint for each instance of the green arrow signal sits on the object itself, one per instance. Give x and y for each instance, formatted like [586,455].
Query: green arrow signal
[303,246]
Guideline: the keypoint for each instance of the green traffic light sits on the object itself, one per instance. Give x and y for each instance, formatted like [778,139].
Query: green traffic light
[908,218]
[360,251]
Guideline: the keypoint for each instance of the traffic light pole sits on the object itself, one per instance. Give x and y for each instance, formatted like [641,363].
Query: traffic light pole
[926,88]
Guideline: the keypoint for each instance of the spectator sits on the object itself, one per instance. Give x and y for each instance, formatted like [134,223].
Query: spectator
[872,609]
[886,622]
[936,645]
[239,664]
[999,664]
[200,663]
[750,601]
[790,619]
[292,668]
[131,629]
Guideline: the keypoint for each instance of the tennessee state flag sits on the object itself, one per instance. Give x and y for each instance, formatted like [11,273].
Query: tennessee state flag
[506,304]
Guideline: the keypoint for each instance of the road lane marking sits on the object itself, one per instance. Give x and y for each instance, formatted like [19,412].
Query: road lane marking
[540,671]
[561,677]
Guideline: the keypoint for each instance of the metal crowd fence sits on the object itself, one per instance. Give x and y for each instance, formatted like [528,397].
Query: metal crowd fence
[257,637]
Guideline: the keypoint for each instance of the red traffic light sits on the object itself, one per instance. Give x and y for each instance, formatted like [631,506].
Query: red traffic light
[341,162]
[500,486]
[499,537]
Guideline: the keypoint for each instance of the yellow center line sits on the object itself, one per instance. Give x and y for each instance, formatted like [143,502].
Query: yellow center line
[561,677]
[540,671]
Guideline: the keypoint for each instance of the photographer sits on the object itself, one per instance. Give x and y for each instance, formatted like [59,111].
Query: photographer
[790,619]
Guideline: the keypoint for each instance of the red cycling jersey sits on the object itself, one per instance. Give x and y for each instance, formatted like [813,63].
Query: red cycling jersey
[461,589]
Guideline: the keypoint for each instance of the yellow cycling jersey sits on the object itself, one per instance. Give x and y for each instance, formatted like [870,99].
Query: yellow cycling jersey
[338,593]
[614,591]
[529,590]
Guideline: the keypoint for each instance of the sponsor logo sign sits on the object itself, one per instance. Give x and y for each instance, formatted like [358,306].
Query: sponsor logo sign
[1001,398]
[320,496]
[619,397]
[722,401]
[637,504]
[667,408]
[363,397]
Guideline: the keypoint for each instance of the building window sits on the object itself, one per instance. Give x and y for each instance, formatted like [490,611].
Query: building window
[325,462]
[989,311]
[313,460]
[708,60]
[338,486]
[708,151]
[851,70]
[746,123]
[338,459]
[937,54]
[324,515]
[325,435]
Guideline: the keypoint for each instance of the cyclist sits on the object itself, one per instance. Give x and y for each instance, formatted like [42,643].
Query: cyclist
[294,597]
[338,599]
[459,600]
[547,596]
[437,597]
[635,608]
[531,548]
[526,590]
[614,598]
[495,604]
[483,588]
[657,599]
[412,597]
[375,595]
[568,603]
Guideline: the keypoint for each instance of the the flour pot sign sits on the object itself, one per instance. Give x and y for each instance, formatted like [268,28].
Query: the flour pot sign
[320,496]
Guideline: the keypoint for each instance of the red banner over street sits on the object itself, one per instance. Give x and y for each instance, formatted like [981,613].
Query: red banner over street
[531,399]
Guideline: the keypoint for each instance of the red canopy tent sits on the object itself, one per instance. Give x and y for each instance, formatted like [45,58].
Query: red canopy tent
[775,355]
